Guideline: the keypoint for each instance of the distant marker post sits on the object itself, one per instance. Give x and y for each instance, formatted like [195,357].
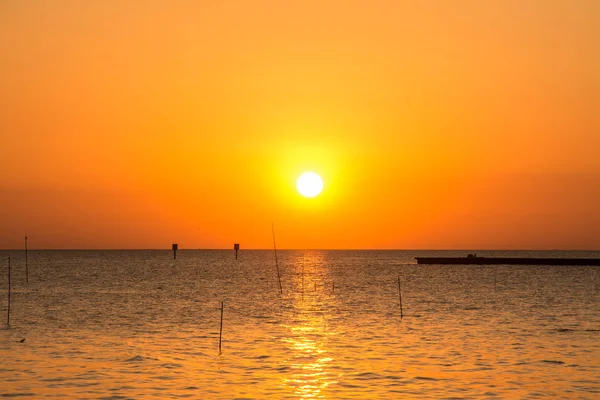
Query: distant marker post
[174,251]
[236,247]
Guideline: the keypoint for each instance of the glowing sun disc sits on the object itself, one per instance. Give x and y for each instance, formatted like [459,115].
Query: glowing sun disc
[309,184]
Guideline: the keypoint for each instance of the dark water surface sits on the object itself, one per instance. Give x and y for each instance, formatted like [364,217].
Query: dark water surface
[132,324]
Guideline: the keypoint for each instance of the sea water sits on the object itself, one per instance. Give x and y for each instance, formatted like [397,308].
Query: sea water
[134,324]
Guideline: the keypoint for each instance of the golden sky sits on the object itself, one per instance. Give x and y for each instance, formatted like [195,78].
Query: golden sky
[434,124]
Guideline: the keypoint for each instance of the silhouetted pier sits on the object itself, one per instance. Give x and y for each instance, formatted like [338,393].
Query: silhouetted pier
[507,260]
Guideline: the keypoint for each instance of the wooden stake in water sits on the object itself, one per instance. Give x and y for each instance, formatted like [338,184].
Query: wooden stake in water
[26,267]
[8,312]
[333,286]
[303,260]
[276,262]
[400,296]
[221,329]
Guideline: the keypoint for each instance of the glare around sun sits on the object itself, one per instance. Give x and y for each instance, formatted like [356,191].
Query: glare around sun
[309,184]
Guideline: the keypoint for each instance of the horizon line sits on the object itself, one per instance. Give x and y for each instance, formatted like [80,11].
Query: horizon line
[298,249]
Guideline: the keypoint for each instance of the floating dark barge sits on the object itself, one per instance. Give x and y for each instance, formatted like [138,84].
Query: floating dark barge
[471,259]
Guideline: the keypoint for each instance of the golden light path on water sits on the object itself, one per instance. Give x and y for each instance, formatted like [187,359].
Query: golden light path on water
[308,338]
[310,364]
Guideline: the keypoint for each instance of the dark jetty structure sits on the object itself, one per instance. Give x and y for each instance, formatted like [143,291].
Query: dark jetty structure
[473,259]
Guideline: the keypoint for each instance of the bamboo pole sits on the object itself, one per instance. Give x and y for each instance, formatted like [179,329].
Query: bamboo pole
[26,266]
[400,296]
[221,329]
[8,311]
[303,260]
[276,262]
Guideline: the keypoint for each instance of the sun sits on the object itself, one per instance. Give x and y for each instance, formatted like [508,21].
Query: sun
[309,184]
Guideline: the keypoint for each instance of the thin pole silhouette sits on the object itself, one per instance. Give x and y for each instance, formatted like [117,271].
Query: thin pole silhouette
[400,296]
[26,266]
[8,312]
[303,260]
[221,329]
[276,262]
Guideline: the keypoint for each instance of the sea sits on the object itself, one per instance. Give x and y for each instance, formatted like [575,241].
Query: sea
[307,324]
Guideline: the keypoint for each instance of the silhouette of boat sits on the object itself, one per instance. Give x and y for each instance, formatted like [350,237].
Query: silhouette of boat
[473,259]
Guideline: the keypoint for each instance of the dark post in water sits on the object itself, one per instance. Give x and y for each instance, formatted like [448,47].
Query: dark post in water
[400,296]
[303,259]
[26,267]
[221,329]
[174,251]
[8,312]
[236,247]
[276,263]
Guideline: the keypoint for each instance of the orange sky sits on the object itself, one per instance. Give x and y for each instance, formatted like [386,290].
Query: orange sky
[434,124]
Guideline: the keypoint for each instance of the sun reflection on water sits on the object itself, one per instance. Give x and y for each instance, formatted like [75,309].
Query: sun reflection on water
[310,362]
[310,359]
